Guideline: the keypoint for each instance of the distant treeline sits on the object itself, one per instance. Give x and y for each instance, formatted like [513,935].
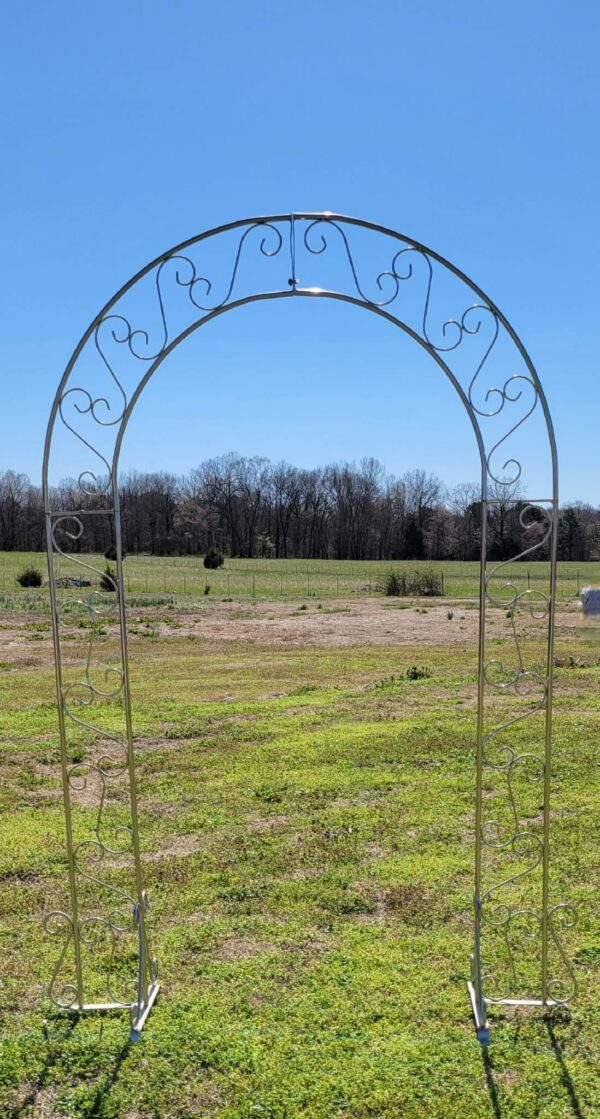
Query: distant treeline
[252,507]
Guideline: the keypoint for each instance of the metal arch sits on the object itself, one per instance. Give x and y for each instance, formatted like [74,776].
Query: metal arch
[493,913]
[292,218]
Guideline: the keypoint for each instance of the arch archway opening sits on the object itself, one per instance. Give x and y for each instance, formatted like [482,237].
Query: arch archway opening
[307,256]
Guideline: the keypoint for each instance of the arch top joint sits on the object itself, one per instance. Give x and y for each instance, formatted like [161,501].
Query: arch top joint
[293,280]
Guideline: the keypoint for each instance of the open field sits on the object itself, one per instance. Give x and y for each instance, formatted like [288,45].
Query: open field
[307,818]
[269,578]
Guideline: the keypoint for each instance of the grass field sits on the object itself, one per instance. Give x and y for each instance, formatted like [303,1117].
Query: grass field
[307,818]
[265,578]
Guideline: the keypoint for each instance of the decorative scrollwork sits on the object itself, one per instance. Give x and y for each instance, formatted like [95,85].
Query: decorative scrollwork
[115,331]
[193,280]
[506,397]
[544,517]
[90,483]
[82,700]
[501,907]
[557,988]
[385,274]
[512,925]
[451,332]
[116,328]
[396,276]
[58,923]
[104,771]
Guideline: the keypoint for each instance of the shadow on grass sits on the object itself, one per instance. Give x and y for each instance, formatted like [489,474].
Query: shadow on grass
[491,1084]
[56,1034]
[107,1082]
[565,1076]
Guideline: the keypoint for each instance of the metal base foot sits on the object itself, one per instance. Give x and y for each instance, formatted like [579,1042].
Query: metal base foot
[481,1024]
[138,1020]
[138,1023]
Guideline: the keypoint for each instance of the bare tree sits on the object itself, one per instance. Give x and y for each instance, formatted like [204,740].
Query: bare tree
[249,506]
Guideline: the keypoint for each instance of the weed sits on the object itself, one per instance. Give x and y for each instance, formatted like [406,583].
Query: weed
[108,579]
[414,672]
[418,583]
[214,558]
[394,584]
[30,577]
[418,672]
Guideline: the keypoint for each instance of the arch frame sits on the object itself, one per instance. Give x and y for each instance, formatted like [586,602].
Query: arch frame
[300,238]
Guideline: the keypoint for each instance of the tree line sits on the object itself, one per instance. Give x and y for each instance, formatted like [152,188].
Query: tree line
[249,506]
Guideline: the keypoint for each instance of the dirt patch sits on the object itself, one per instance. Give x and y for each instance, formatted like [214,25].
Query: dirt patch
[180,846]
[37,1101]
[267,824]
[369,620]
[242,948]
[412,904]
[507,1077]
[366,621]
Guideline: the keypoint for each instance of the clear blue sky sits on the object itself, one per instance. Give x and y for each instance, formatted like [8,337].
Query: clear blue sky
[127,127]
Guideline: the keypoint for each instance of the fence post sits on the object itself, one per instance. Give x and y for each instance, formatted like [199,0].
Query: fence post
[307,583]
[528,579]
[578,591]
[442,582]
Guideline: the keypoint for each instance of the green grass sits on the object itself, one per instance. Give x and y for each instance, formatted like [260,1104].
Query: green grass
[307,819]
[265,578]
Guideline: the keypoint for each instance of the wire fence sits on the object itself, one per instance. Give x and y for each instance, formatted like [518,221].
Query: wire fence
[256,579]
[316,584]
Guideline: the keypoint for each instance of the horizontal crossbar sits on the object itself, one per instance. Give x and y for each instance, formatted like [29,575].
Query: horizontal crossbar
[138,1023]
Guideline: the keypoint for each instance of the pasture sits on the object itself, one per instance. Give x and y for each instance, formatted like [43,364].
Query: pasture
[273,578]
[307,819]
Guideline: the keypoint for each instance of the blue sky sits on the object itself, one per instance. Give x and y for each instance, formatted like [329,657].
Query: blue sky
[127,127]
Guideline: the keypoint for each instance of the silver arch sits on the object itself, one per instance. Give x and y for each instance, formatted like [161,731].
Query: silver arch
[479,352]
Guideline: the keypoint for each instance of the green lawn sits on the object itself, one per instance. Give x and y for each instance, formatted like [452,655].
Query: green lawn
[265,578]
[309,814]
